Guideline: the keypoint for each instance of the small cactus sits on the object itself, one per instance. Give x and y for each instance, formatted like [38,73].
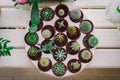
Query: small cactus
[72,30]
[75,65]
[59,37]
[75,46]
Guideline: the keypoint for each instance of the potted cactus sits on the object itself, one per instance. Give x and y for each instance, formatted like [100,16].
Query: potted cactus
[60,39]
[73,47]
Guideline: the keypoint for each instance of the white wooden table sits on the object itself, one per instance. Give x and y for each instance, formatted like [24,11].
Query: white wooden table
[106,61]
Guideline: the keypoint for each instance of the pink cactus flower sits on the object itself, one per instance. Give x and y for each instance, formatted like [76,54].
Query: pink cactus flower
[21,1]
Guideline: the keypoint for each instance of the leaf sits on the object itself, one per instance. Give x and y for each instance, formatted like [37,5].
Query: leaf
[4,49]
[0,46]
[7,52]
[5,43]
[35,18]
[1,39]
[2,53]
[10,48]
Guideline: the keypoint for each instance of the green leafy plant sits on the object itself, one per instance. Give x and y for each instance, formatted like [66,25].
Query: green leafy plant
[4,49]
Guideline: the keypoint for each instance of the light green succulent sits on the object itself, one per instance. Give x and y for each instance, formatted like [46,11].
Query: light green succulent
[72,30]
[47,47]
[59,37]
[75,46]
[61,24]
[75,65]
[33,51]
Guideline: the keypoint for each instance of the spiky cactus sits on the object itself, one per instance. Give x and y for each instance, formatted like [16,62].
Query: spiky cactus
[75,46]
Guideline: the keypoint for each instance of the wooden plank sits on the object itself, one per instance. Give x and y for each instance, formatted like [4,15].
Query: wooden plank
[86,74]
[20,18]
[33,74]
[104,58]
[6,72]
[79,3]
[18,59]
[15,36]
[98,17]
[14,18]
[108,38]
[6,78]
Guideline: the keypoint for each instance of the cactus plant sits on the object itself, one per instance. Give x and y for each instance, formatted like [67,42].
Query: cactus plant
[72,30]
[59,37]
[75,46]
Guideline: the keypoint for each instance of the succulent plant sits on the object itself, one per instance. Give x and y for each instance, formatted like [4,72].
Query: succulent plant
[47,13]
[75,65]
[86,26]
[59,69]
[33,51]
[60,54]
[86,54]
[75,14]
[61,24]
[47,47]
[72,30]
[59,37]
[46,33]
[93,41]
[75,46]
[61,12]
[44,62]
